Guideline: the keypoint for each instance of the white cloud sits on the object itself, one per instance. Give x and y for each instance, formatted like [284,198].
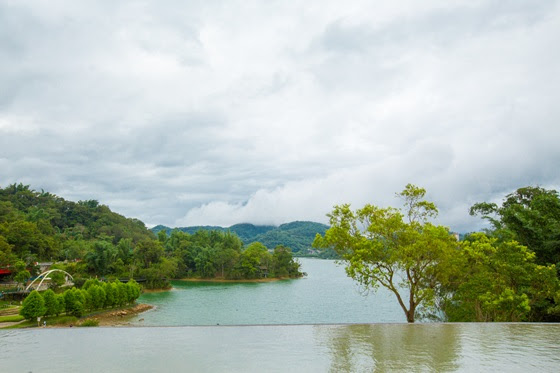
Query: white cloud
[265,112]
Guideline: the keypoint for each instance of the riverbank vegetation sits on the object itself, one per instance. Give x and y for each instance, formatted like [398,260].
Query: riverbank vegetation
[94,295]
[507,273]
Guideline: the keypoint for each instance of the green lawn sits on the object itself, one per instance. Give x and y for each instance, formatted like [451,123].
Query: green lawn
[11,318]
[51,320]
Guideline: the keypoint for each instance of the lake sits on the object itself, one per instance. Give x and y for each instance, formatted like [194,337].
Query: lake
[321,337]
[325,296]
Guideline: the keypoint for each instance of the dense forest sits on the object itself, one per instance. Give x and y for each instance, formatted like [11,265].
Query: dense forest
[87,239]
[297,235]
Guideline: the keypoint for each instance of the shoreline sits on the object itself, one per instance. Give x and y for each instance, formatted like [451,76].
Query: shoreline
[157,290]
[113,317]
[252,280]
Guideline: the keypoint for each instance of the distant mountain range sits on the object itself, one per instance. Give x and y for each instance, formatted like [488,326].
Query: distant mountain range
[297,235]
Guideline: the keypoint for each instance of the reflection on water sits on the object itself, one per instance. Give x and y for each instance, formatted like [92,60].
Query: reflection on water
[391,347]
[296,348]
[522,345]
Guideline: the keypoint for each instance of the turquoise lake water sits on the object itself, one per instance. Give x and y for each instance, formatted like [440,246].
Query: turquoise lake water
[325,296]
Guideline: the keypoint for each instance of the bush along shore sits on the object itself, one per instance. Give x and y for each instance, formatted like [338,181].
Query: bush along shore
[48,308]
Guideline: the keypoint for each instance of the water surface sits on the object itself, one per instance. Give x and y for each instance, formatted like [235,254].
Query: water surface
[321,303]
[294,348]
[325,296]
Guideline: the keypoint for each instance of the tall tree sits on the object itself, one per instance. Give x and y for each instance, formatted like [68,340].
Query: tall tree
[51,303]
[394,248]
[33,306]
[531,216]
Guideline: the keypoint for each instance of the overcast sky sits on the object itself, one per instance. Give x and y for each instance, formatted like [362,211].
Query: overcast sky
[221,112]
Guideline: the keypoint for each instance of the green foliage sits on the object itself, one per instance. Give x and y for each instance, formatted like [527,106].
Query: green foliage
[531,217]
[148,252]
[89,323]
[282,264]
[497,281]
[6,255]
[97,296]
[60,304]
[74,302]
[133,291]
[51,303]
[252,261]
[91,282]
[33,306]
[43,225]
[22,276]
[110,294]
[400,251]
[101,255]
[210,254]
[57,279]
[26,238]
[297,235]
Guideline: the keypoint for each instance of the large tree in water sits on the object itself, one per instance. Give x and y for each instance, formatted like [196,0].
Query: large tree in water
[398,249]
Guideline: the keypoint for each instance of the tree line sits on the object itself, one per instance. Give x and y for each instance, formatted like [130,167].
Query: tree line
[297,235]
[209,254]
[94,295]
[506,273]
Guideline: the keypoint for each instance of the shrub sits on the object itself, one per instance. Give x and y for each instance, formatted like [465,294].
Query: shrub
[89,322]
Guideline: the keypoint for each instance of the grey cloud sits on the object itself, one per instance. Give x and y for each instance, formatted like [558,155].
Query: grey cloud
[215,112]
[445,26]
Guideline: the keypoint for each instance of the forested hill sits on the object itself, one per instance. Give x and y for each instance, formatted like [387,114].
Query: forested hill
[297,235]
[42,226]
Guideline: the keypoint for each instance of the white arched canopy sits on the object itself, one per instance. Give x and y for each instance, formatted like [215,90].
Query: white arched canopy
[43,276]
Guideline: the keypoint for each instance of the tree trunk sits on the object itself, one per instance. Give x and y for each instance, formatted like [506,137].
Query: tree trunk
[410,315]
[408,312]
[411,303]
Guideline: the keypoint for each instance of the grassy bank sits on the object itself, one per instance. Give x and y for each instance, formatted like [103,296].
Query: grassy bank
[108,317]
[11,318]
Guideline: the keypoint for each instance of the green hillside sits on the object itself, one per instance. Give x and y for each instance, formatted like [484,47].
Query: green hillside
[42,226]
[297,235]
[247,232]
